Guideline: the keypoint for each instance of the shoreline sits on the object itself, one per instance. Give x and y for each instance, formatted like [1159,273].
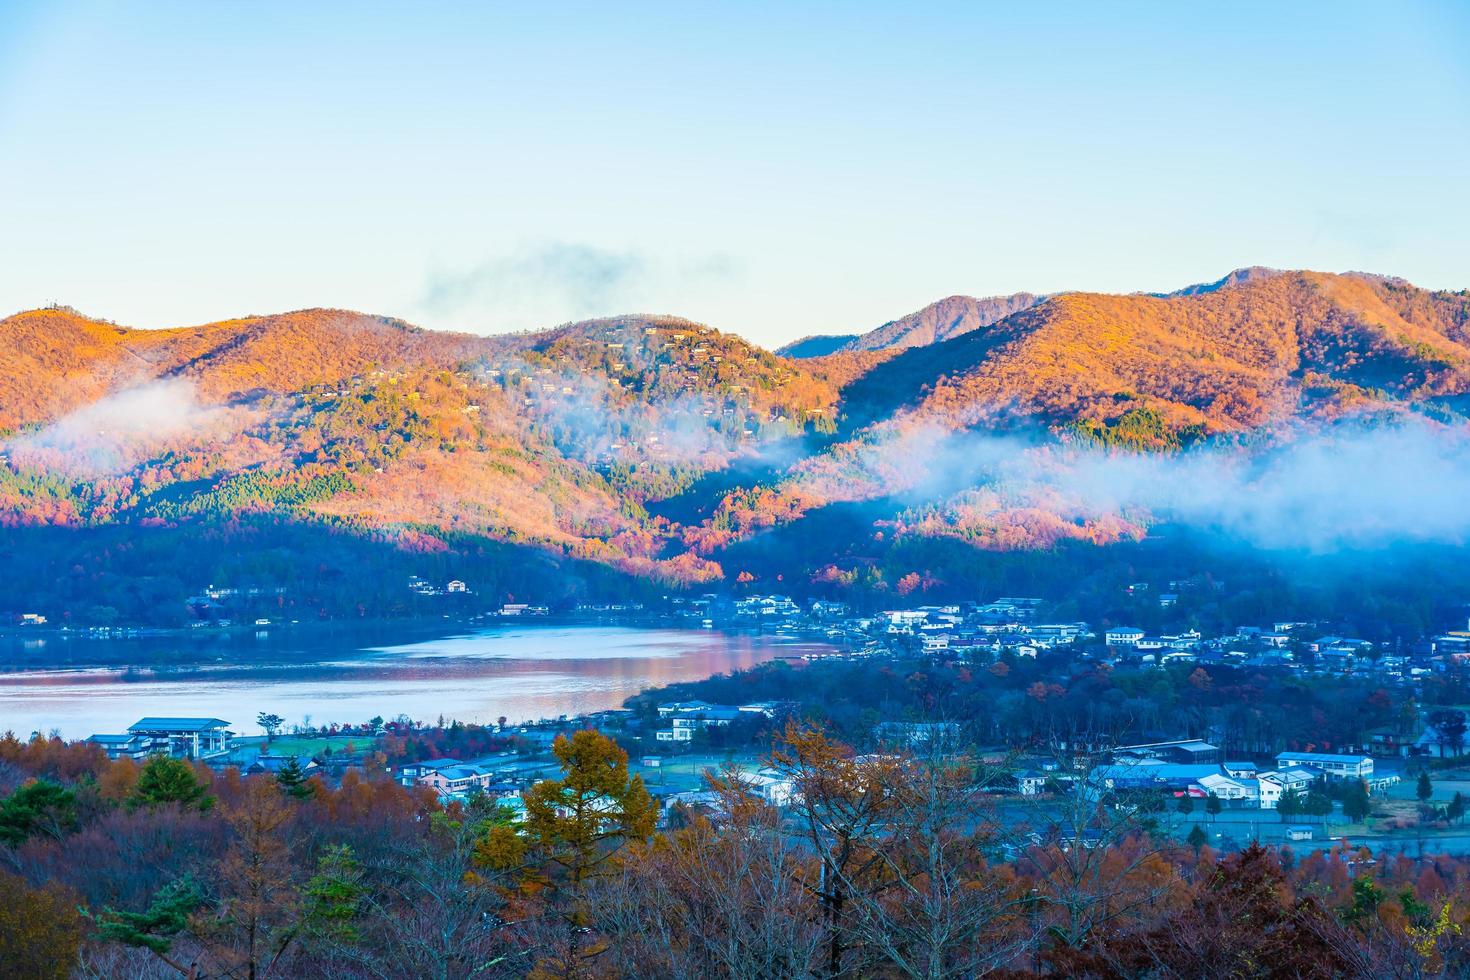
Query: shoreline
[531,683]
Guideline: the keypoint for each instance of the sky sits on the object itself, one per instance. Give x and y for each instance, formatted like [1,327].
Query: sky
[775,170]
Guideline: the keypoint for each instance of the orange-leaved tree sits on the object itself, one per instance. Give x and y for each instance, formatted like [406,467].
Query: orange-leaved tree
[573,829]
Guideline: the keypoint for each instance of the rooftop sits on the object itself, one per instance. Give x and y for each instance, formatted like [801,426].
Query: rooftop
[1321,757]
[177,725]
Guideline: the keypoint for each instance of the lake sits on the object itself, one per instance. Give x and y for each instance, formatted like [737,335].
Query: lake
[522,673]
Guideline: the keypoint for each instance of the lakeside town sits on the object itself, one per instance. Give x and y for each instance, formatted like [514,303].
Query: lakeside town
[1193,778]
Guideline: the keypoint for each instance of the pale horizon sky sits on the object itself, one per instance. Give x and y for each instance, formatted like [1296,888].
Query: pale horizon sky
[774,170]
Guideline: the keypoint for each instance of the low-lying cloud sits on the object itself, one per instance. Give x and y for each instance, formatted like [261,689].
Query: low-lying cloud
[1345,488]
[118,431]
[1348,486]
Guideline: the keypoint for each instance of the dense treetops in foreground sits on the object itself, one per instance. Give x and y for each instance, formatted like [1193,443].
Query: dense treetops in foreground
[885,865]
[663,451]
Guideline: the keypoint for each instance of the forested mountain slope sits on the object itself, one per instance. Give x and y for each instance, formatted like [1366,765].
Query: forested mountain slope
[661,449]
[1236,357]
[56,359]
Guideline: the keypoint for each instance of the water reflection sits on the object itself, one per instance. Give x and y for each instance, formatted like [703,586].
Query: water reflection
[521,673]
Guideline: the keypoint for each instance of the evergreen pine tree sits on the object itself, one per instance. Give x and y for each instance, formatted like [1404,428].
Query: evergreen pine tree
[293,780]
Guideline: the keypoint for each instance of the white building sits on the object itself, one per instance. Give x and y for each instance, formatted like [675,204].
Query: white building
[1333,766]
[772,785]
[1227,788]
[191,738]
[690,720]
[1031,782]
[1123,636]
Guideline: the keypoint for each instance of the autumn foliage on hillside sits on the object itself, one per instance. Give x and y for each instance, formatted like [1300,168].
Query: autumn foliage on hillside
[1229,359]
[371,425]
[1122,373]
[58,360]
[572,441]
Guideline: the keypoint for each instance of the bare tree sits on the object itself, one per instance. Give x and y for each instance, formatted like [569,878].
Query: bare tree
[1091,862]
[904,847]
[946,909]
[727,898]
[426,912]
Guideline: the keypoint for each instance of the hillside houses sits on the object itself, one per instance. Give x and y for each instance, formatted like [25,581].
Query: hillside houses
[766,607]
[1014,627]
[967,630]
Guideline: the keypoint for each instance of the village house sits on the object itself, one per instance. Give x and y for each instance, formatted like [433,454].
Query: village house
[458,781]
[1031,783]
[932,642]
[1056,633]
[1228,788]
[1274,784]
[767,606]
[410,772]
[904,621]
[453,779]
[823,609]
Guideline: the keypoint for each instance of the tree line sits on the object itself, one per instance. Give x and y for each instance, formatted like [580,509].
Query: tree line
[874,865]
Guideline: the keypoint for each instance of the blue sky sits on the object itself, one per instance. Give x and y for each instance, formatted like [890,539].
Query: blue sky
[775,170]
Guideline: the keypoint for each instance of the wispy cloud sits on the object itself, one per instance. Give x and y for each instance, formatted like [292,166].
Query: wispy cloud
[545,284]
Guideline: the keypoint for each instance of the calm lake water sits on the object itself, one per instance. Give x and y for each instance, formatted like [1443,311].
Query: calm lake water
[523,673]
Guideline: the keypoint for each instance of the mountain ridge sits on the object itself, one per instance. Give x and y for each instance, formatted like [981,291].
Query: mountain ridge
[567,441]
[939,320]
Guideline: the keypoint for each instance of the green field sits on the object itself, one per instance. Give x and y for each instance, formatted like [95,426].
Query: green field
[300,745]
